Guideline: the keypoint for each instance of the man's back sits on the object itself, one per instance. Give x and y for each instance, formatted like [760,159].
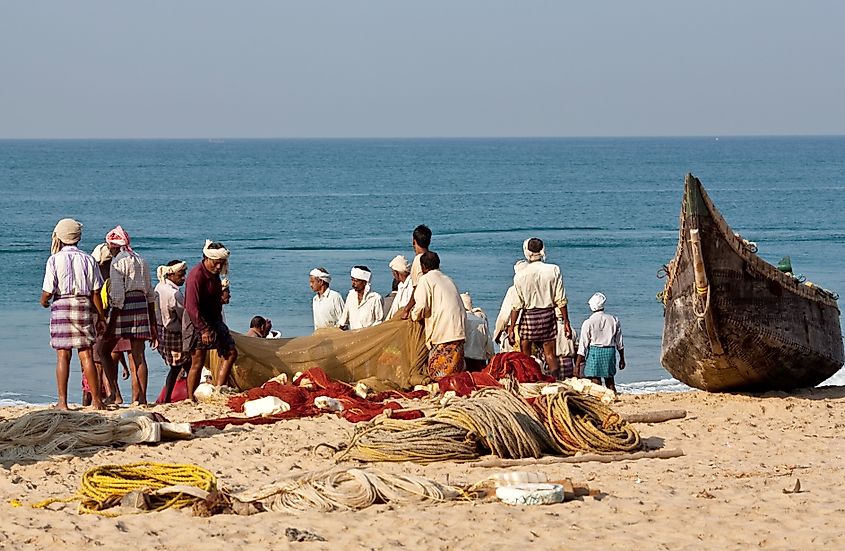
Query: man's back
[539,285]
[441,305]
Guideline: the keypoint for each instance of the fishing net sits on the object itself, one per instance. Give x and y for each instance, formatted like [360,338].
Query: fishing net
[393,352]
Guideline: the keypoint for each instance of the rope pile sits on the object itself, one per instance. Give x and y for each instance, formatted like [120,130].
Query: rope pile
[349,489]
[41,434]
[105,487]
[496,421]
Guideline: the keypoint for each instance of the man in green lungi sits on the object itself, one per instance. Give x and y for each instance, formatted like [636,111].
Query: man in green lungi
[601,338]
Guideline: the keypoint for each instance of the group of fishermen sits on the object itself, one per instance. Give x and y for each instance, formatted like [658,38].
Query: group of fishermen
[81,289]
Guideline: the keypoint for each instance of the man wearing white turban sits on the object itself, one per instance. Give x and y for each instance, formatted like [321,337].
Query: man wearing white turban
[539,290]
[170,309]
[401,269]
[364,307]
[204,306]
[72,281]
[601,338]
[327,304]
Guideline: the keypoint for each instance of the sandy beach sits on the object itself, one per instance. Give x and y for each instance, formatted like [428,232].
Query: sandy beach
[728,491]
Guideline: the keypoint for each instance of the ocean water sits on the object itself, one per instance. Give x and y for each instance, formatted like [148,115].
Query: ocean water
[606,208]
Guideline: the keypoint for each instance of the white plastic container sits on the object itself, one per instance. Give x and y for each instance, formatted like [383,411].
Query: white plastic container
[269,405]
[531,494]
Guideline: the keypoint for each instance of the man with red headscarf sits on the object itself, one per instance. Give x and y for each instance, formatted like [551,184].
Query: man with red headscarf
[132,309]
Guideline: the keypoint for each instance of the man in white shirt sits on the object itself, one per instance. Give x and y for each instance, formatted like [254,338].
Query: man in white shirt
[327,304]
[601,338]
[402,273]
[438,303]
[364,307]
[479,344]
[421,241]
[539,290]
[500,331]
[170,308]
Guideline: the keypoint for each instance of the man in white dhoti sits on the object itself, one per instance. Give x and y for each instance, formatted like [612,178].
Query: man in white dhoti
[363,307]
[327,304]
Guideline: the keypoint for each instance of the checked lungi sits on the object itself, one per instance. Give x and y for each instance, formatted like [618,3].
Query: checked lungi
[72,323]
[170,347]
[538,325]
[133,320]
[601,362]
[445,359]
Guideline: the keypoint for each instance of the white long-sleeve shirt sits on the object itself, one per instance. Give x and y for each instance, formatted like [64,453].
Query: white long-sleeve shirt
[600,329]
[366,313]
[170,305]
[129,273]
[437,300]
[404,292]
[539,285]
[327,308]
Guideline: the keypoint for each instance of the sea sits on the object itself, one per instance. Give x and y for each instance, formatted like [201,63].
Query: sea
[606,208]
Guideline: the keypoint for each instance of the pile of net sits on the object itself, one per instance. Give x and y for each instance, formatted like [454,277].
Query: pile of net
[300,396]
[46,433]
[494,420]
[391,351]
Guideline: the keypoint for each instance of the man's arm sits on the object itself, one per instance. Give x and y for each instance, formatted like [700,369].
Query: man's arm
[406,311]
[567,329]
[622,359]
[101,315]
[45,299]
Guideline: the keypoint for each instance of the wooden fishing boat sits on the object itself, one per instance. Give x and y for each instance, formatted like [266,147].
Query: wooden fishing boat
[735,322]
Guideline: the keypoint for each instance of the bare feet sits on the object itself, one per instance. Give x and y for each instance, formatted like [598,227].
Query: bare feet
[62,406]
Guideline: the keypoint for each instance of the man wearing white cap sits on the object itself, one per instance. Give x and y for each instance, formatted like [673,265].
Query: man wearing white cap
[601,338]
[170,308]
[401,272]
[327,304]
[364,307]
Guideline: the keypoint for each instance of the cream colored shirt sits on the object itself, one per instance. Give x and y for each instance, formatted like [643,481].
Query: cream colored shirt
[539,285]
[438,302]
[327,308]
[129,273]
[404,292]
[170,305]
[366,313]
[600,329]
[416,271]
[504,317]
[479,343]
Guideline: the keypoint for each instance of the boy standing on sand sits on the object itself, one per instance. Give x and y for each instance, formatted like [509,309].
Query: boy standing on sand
[72,281]
[601,337]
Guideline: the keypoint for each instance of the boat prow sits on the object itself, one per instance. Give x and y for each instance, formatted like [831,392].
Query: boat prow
[734,321]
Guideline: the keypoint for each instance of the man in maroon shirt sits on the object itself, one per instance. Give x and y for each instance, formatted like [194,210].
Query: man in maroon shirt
[204,306]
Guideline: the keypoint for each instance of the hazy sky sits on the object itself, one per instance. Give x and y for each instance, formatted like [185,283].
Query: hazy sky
[393,68]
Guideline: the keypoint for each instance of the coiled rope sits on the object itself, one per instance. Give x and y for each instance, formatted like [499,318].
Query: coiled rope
[103,487]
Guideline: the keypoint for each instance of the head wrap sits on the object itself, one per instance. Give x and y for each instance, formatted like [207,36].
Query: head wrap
[217,254]
[67,232]
[532,256]
[596,302]
[467,300]
[519,265]
[358,273]
[321,275]
[101,253]
[120,238]
[163,271]
[400,264]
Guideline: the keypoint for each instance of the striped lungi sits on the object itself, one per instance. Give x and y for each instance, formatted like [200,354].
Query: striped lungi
[601,362]
[72,323]
[538,325]
[445,359]
[170,347]
[133,320]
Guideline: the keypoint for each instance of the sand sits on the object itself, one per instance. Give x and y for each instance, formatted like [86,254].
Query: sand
[727,492]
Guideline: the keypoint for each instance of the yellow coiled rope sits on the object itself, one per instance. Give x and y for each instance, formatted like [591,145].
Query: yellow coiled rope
[103,487]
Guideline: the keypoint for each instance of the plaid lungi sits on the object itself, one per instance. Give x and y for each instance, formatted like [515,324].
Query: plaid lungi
[601,362]
[133,320]
[538,325]
[170,347]
[72,323]
[445,359]
[222,340]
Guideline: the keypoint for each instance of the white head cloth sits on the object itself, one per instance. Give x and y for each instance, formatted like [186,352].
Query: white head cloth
[596,302]
[531,256]
[400,264]
[467,300]
[321,275]
[67,232]
[519,265]
[358,273]
[163,271]
[217,254]
[101,253]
